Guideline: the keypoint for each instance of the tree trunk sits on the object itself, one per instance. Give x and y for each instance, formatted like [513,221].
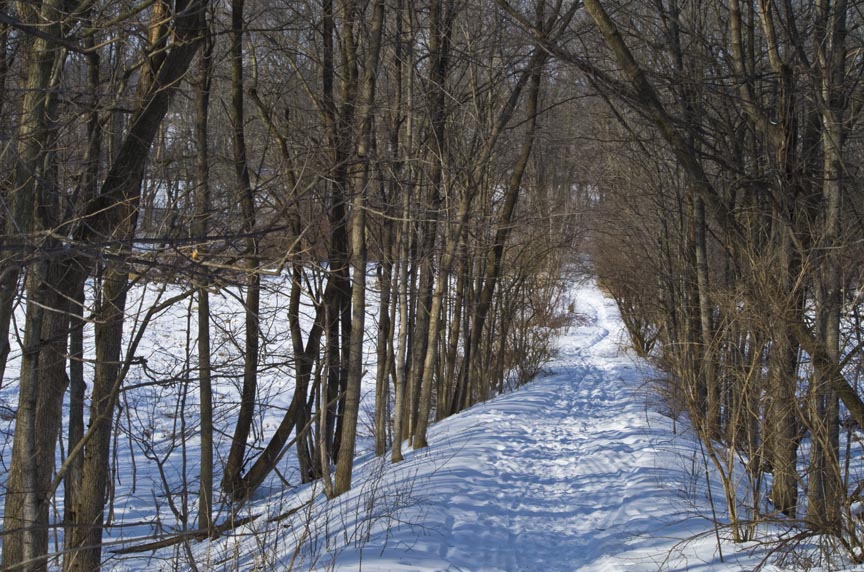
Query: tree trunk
[87,536]
[781,425]
[402,345]
[234,464]
[41,57]
[435,317]
[111,216]
[384,339]
[345,460]
[199,231]
[825,494]
[298,415]
[42,376]
[43,382]
[448,385]
[77,387]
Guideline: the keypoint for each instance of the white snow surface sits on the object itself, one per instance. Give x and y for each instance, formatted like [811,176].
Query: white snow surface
[576,471]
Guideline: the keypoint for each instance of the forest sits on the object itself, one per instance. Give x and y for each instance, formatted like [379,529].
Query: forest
[289,231]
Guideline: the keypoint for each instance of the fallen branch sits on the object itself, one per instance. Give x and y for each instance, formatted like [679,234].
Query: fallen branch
[287,514]
[198,534]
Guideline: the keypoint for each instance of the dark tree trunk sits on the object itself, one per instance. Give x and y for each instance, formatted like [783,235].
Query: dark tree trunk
[87,535]
[199,231]
[234,464]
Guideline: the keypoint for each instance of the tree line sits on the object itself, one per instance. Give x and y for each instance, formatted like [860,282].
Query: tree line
[407,155]
[736,128]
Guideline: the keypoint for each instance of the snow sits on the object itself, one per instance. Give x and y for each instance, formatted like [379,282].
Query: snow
[576,471]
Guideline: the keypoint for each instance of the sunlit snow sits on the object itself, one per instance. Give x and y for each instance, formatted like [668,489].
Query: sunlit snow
[577,471]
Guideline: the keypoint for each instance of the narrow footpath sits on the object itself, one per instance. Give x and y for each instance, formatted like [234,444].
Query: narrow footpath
[577,471]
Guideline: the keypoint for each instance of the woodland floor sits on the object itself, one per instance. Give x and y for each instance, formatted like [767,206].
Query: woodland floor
[577,471]
[580,470]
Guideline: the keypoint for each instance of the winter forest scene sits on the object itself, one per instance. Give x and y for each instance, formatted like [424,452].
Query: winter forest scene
[431,285]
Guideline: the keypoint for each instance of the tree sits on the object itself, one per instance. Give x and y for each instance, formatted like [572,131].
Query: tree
[199,232]
[252,303]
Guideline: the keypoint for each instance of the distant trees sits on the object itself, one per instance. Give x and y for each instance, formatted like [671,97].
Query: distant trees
[370,151]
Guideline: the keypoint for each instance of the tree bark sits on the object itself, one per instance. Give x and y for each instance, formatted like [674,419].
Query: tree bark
[41,57]
[231,478]
[199,230]
[402,344]
[34,206]
[825,488]
[345,459]
[87,535]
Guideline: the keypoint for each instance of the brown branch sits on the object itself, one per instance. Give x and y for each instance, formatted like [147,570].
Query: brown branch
[197,534]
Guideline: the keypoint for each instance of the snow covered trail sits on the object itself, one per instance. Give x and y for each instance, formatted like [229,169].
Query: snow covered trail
[559,475]
[574,472]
